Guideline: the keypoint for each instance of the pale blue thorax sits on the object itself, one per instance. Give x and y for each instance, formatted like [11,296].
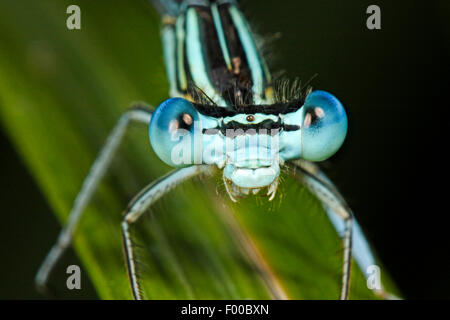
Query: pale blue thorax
[250,159]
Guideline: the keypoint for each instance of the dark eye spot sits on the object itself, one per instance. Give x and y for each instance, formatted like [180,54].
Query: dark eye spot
[183,121]
[187,119]
[250,118]
[313,116]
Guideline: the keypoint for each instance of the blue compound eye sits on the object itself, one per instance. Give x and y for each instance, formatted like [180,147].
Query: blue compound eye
[174,131]
[324,126]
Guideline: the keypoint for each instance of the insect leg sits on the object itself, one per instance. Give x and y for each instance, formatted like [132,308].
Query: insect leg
[142,202]
[137,113]
[360,246]
[333,201]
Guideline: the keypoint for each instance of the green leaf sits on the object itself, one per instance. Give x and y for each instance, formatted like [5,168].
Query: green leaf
[62,91]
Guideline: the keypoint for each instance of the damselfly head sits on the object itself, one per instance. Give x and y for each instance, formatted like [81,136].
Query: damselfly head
[249,144]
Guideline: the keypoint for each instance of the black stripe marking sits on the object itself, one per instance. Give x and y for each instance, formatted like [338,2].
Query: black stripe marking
[275,109]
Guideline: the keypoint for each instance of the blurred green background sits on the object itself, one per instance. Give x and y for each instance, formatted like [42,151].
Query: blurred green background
[61,92]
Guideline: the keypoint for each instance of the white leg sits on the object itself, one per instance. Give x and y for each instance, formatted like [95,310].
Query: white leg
[332,200]
[360,246]
[135,114]
[142,202]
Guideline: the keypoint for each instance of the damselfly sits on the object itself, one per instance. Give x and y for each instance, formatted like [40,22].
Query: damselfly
[227,113]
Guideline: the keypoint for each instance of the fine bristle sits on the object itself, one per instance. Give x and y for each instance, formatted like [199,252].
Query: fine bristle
[198,95]
[288,90]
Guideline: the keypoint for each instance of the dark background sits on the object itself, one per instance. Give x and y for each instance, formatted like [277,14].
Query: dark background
[392,169]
